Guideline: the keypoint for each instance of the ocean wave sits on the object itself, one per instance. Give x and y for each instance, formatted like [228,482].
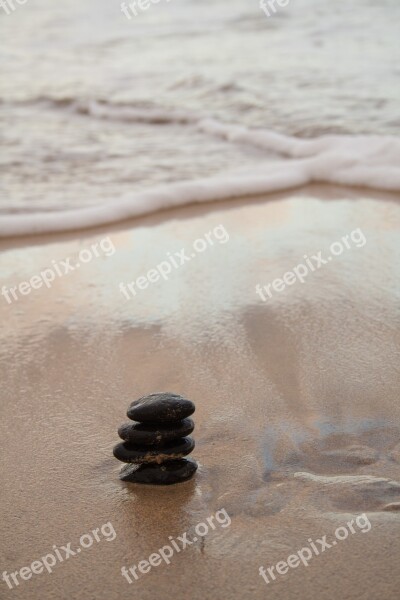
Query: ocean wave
[369,161]
[103,109]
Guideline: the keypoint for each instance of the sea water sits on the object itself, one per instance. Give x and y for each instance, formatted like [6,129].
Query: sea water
[104,117]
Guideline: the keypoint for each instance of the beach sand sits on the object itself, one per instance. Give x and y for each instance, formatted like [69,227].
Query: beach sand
[297,419]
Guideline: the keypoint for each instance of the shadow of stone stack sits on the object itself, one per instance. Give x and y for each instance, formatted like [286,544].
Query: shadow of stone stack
[155,443]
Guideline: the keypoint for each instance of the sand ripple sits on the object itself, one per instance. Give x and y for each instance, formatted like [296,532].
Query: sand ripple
[356,492]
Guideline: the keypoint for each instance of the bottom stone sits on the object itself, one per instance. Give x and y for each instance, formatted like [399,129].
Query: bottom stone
[167,473]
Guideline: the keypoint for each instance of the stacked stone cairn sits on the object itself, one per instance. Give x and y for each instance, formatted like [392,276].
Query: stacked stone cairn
[155,443]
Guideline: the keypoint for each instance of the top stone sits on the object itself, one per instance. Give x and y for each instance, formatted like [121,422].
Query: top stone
[160,408]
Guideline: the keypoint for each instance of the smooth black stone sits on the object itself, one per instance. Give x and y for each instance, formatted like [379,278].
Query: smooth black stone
[151,434]
[160,408]
[169,472]
[132,453]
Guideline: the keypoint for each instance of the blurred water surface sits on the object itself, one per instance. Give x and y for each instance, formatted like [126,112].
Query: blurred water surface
[94,106]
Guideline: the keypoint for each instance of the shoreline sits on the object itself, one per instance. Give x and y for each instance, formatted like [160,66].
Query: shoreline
[322,191]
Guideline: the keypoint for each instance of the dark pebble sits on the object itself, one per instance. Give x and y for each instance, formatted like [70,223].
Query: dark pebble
[169,472]
[160,408]
[132,453]
[153,434]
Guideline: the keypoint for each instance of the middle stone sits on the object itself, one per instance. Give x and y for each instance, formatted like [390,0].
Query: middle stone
[153,434]
[132,453]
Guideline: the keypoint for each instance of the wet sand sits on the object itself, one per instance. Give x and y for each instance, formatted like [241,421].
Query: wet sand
[297,420]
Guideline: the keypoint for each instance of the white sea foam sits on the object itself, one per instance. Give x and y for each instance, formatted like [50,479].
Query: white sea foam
[371,161]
